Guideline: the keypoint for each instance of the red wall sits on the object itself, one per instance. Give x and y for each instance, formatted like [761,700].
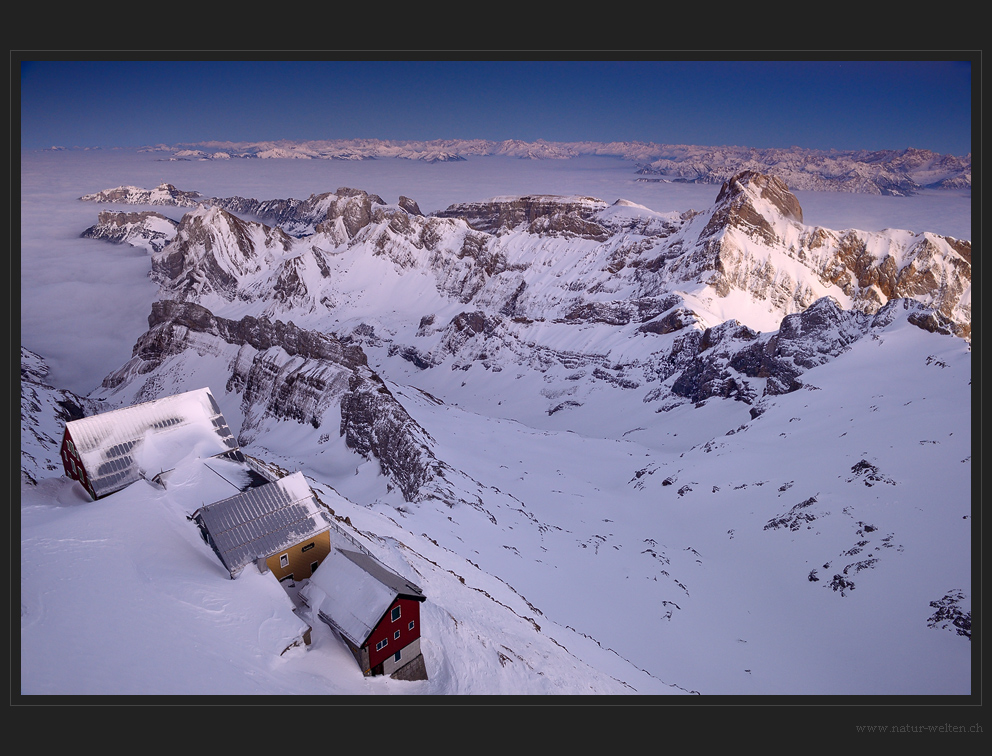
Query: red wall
[409,610]
[80,472]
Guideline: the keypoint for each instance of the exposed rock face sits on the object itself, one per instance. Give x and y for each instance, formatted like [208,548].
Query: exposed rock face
[376,425]
[213,250]
[295,217]
[409,205]
[351,209]
[150,230]
[286,373]
[736,206]
[542,214]
[733,361]
[626,311]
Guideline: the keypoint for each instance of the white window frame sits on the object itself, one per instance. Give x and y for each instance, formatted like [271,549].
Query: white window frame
[395,614]
[410,626]
[382,644]
[283,560]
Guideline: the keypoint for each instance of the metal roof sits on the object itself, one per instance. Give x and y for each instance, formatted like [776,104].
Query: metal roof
[351,591]
[396,583]
[121,446]
[262,521]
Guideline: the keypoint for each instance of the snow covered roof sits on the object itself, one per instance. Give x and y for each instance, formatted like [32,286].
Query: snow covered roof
[352,591]
[262,521]
[119,447]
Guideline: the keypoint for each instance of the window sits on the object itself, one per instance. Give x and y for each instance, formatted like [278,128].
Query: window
[410,626]
[396,656]
[395,614]
[313,567]
[382,644]
[396,635]
[284,560]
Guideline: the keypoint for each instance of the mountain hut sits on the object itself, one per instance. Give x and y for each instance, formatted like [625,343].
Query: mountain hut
[112,450]
[374,610]
[279,526]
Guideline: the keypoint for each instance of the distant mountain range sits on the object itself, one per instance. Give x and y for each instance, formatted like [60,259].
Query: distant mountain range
[889,172]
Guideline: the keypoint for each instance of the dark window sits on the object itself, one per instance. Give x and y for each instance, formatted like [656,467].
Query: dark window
[396,656]
[410,626]
[396,635]
[395,615]
[382,644]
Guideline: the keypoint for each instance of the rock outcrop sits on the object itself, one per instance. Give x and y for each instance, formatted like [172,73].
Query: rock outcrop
[283,373]
[541,214]
[149,230]
[732,361]
[214,251]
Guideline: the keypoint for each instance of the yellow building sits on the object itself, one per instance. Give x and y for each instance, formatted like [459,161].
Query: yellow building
[279,526]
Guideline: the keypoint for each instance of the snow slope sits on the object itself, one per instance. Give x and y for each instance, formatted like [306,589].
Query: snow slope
[609,548]
[122,597]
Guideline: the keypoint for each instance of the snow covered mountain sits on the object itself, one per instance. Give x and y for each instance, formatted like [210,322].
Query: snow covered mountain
[728,451]
[893,172]
[553,261]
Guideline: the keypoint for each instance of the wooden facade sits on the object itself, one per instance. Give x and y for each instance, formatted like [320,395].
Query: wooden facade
[395,632]
[72,463]
[375,611]
[278,526]
[299,561]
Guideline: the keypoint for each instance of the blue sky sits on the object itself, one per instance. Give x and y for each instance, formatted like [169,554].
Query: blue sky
[824,104]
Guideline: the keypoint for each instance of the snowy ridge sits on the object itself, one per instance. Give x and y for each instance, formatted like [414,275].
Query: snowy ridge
[148,230]
[527,260]
[163,194]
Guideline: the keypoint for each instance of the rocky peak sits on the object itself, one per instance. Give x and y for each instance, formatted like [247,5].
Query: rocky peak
[212,250]
[352,208]
[409,205]
[753,203]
